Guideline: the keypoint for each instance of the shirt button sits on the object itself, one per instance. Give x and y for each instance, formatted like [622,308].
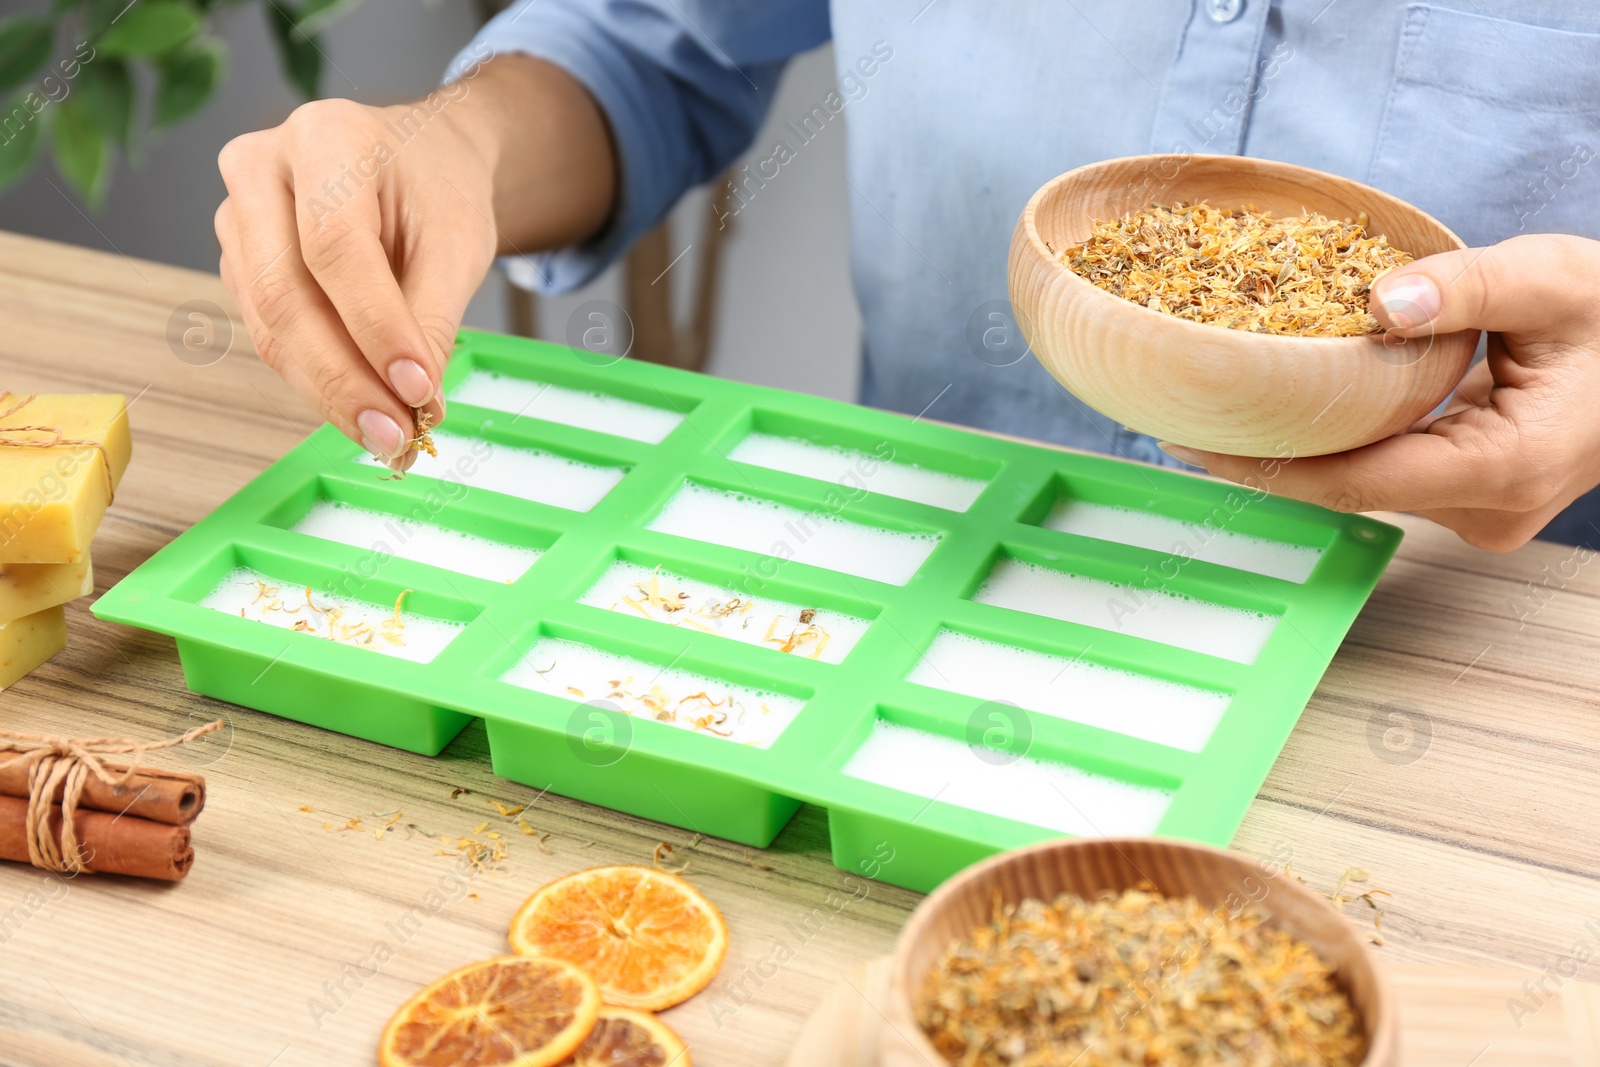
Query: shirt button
[1224,10]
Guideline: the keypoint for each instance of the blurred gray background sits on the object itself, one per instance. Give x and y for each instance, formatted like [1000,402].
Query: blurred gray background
[786,315]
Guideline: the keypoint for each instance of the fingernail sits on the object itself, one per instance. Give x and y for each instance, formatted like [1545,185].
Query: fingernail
[410,382]
[1178,452]
[380,434]
[1408,301]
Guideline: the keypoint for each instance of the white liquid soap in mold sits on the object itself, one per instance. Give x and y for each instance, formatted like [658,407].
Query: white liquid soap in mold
[387,629]
[528,473]
[785,533]
[676,698]
[1141,529]
[1055,796]
[1155,615]
[858,470]
[655,594]
[570,407]
[1167,713]
[421,542]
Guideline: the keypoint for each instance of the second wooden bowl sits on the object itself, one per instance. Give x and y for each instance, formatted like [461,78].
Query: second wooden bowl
[1208,387]
[1089,867]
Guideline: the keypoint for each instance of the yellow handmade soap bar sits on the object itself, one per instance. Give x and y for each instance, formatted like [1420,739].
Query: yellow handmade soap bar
[29,587]
[29,641]
[54,479]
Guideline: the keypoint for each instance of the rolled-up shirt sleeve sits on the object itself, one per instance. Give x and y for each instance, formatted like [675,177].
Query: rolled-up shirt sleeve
[684,86]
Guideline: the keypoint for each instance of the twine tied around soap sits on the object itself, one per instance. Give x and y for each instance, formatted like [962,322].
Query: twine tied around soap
[56,439]
[53,761]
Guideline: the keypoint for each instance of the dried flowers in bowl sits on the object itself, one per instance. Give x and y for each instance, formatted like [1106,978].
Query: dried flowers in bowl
[1135,977]
[1248,243]
[1302,275]
[1102,952]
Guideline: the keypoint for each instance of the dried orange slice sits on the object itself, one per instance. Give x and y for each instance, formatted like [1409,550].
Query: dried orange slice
[647,937]
[511,1011]
[627,1038]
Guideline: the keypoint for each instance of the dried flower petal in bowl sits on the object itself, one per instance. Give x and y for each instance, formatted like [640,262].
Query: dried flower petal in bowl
[1305,275]
[1109,952]
[1325,383]
[1136,977]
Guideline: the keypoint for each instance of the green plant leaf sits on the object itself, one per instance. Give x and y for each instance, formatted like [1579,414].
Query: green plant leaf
[25,44]
[301,58]
[83,155]
[316,15]
[98,14]
[19,140]
[189,77]
[107,90]
[149,28]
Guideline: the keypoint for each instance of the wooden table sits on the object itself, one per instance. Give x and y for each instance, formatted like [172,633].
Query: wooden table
[291,943]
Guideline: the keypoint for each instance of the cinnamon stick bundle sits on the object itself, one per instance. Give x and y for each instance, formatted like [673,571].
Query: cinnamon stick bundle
[161,796]
[108,843]
[63,809]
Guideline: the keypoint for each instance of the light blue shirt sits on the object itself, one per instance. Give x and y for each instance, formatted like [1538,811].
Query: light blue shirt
[1485,113]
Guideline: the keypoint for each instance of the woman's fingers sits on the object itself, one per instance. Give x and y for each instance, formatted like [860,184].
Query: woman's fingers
[335,170]
[1472,392]
[1474,389]
[1518,441]
[294,372]
[296,329]
[1529,287]
[450,251]
[1438,469]
[1494,530]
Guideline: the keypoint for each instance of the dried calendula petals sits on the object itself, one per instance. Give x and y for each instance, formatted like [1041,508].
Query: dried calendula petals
[1305,275]
[659,601]
[1136,978]
[423,441]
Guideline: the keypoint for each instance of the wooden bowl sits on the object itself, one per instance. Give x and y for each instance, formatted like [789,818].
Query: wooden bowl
[1210,387]
[1089,867]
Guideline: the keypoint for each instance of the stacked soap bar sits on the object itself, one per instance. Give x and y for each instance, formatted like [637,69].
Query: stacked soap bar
[61,458]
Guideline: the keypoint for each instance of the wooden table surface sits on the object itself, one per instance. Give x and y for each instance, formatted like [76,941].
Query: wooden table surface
[1448,750]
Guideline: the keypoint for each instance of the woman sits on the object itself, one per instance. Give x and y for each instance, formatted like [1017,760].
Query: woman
[353,236]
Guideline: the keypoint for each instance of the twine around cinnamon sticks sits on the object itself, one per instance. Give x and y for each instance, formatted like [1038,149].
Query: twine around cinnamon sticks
[62,808]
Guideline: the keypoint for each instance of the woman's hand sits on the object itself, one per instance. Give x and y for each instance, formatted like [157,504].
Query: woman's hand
[353,236]
[1520,439]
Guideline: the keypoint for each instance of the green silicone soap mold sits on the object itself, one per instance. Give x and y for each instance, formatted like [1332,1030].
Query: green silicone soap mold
[704,783]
